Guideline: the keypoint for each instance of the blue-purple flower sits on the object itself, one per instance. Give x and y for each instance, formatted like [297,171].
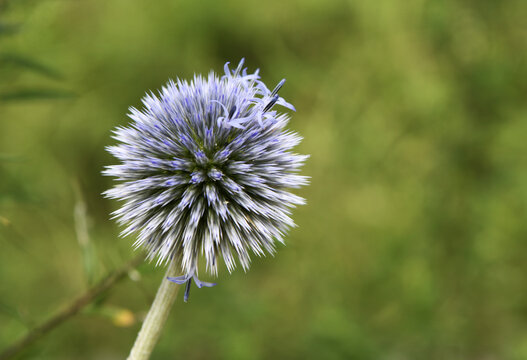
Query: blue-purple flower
[205,171]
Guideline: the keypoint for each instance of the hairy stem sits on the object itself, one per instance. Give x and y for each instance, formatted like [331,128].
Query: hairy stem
[156,317]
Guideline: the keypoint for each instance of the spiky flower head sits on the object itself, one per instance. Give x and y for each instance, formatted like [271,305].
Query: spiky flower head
[205,169]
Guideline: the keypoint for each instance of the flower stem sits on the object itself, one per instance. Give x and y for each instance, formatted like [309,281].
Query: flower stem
[156,317]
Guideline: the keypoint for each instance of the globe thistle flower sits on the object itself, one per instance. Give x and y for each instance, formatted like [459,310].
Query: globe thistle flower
[205,169]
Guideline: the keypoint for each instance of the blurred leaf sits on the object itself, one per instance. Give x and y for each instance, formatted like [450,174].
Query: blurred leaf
[27,63]
[8,29]
[36,94]
[81,220]
[89,262]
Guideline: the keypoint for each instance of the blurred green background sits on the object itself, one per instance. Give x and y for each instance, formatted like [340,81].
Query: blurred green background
[413,242]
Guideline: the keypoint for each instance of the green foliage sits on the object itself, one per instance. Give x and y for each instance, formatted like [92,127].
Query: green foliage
[14,66]
[26,63]
[413,240]
[8,29]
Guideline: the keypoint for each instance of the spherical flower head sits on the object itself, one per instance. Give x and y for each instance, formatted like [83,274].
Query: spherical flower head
[205,171]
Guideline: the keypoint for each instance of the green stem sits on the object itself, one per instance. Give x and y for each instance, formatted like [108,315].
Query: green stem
[156,317]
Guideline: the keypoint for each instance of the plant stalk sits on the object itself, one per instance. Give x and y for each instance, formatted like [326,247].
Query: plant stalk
[156,317]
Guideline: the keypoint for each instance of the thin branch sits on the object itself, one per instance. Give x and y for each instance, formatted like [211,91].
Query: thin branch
[70,310]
